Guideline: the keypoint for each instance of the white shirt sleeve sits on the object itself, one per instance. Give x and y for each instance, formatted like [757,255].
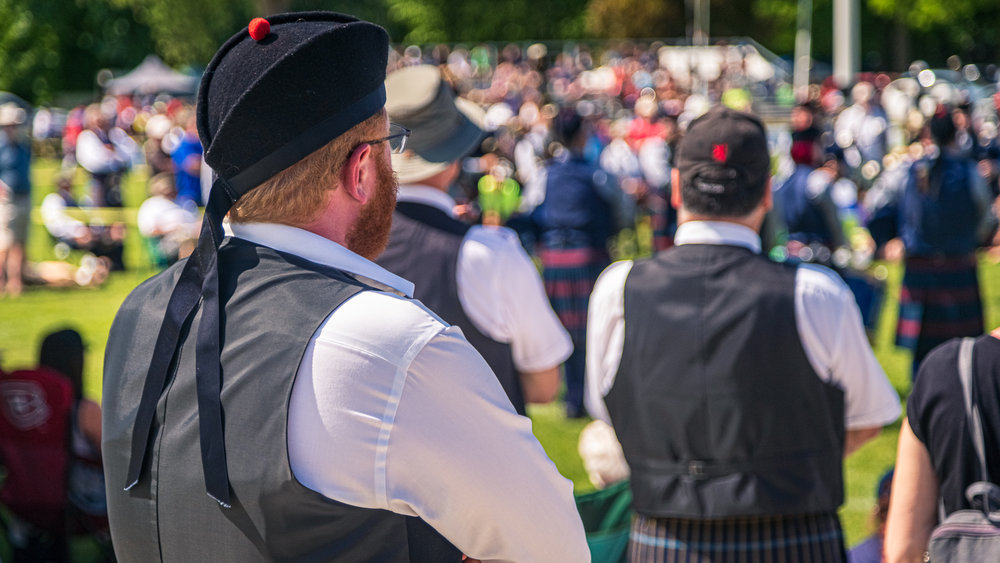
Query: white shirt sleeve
[412,420]
[833,336]
[93,155]
[503,295]
[605,336]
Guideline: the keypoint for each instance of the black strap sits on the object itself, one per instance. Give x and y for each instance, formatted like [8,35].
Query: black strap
[971,408]
[199,281]
[432,217]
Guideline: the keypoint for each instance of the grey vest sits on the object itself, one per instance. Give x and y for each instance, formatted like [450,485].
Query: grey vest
[716,405]
[423,248]
[269,317]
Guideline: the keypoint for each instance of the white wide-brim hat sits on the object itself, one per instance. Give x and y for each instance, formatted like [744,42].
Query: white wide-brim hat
[443,127]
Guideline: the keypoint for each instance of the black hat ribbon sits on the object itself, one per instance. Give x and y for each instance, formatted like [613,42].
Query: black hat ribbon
[199,281]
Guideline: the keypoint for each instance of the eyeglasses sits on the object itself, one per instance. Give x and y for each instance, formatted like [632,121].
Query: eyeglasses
[396,138]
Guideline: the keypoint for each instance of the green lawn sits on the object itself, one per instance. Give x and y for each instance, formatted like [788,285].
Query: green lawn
[23,321]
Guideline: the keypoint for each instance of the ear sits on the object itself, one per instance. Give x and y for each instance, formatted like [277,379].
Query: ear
[768,201]
[675,188]
[354,176]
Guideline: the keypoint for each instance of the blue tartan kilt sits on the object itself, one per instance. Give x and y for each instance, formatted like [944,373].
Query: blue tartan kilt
[569,275]
[939,300]
[811,538]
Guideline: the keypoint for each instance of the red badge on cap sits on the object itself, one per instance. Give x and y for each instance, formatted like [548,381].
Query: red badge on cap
[259,28]
[719,152]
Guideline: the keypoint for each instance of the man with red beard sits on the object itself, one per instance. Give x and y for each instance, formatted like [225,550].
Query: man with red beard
[327,415]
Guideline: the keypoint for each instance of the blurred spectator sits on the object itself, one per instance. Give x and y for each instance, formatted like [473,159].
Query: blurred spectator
[186,157]
[51,452]
[63,351]
[936,461]
[943,207]
[70,134]
[478,278]
[15,196]
[582,208]
[101,240]
[804,203]
[157,157]
[171,228]
[870,550]
[97,153]
[860,129]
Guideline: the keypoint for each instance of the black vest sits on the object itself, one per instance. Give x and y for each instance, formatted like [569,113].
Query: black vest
[715,403]
[267,324]
[423,247]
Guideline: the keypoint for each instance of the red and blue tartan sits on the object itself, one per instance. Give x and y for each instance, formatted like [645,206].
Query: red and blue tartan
[939,300]
[569,275]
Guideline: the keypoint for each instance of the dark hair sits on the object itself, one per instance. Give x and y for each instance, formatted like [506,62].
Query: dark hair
[567,125]
[943,130]
[942,126]
[730,202]
[62,351]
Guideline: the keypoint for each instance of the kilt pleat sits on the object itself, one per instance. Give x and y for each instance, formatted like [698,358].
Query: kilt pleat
[811,538]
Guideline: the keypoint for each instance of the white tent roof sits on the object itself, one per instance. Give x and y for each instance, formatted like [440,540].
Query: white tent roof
[153,76]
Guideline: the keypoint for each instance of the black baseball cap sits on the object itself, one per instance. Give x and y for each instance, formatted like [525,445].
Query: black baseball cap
[724,150]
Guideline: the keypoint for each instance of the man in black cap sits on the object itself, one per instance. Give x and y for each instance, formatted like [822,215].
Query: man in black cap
[478,278]
[328,416]
[736,385]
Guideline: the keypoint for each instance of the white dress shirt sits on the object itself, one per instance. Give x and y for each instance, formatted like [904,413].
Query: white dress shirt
[393,409]
[500,290]
[826,316]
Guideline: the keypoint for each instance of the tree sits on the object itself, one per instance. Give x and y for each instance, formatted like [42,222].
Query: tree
[430,21]
[53,46]
[635,18]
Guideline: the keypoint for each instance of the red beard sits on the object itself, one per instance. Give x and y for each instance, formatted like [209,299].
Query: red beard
[370,233]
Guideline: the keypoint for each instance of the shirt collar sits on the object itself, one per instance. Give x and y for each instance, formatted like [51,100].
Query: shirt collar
[427,195]
[315,248]
[717,232]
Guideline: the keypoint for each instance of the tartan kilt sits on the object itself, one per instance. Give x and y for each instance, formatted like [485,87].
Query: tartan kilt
[569,275]
[811,538]
[939,300]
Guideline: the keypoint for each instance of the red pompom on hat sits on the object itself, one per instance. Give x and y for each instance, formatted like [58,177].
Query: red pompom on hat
[259,28]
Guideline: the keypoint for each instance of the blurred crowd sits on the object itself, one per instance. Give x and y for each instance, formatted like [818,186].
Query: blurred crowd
[851,146]
[901,167]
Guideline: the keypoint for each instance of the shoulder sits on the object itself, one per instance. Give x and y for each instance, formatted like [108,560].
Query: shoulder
[931,378]
[612,279]
[494,249]
[815,282]
[494,239]
[382,324]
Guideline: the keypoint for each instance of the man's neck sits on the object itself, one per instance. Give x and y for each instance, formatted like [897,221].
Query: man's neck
[752,221]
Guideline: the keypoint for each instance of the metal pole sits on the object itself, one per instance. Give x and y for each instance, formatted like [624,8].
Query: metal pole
[846,41]
[701,20]
[803,50]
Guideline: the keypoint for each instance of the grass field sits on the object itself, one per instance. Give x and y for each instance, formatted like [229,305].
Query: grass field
[23,321]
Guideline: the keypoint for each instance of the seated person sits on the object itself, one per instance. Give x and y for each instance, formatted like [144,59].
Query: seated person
[173,228]
[100,240]
[870,550]
[62,351]
[50,437]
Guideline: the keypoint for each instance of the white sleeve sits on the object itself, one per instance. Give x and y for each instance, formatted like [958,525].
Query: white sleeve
[503,295]
[834,339]
[91,153]
[605,336]
[462,460]
[404,415]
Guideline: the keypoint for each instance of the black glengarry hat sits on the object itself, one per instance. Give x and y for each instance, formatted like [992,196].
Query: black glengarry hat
[273,94]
